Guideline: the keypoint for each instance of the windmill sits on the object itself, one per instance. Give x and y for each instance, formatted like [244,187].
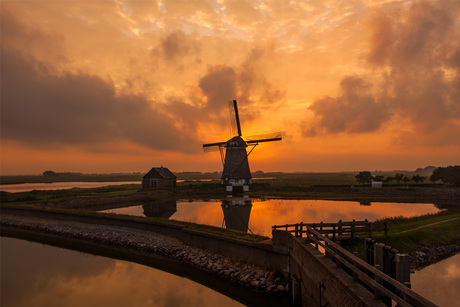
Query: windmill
[236,175]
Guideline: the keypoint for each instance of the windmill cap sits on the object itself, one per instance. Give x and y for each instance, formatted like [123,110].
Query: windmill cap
[236,141]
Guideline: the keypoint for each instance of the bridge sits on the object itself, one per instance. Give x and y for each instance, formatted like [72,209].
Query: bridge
[324,273]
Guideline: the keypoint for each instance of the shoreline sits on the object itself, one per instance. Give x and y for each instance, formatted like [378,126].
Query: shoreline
[419,259]
[248,275]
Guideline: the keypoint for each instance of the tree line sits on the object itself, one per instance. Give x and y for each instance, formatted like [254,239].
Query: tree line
[448,175]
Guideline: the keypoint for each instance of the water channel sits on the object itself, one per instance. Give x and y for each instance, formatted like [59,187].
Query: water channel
[258,216]
[42,275]
[24,187]
[46,275]
[34,274]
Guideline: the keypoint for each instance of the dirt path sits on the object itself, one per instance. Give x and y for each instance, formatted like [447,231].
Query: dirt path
[428,225]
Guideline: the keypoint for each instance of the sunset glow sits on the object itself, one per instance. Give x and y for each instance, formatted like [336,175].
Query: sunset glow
[124,85]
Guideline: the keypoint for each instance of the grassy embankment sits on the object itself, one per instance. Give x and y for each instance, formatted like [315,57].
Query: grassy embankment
[410,234]
[294,185]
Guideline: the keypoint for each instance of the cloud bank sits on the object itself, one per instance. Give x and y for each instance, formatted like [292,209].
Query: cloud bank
[414,75]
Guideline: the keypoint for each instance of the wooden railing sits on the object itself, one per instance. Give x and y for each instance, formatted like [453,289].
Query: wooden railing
[382,285]
[336,231]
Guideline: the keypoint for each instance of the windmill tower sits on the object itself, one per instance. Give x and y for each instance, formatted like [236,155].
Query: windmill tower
[236,175]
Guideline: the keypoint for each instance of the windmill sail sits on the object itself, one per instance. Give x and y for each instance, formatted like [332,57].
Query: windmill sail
[236,175]
[215,144]
[270,137]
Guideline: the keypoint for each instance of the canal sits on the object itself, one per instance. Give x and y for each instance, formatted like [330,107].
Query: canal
[258,216]
[42,275]
[34,274]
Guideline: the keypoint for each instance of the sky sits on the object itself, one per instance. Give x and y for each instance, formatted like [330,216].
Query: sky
[102,86]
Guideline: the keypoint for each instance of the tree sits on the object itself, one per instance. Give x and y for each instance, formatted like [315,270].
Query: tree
[49,174]
[364,177]
[438,174]
[418,178]
[389,178]
[406,179]
[452,175]
[399,177]
[448,175]
[378,178]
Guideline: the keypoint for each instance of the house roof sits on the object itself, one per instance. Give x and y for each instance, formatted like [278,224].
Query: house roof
[160,172]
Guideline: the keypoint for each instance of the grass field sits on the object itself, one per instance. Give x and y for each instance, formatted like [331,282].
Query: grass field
[278,178]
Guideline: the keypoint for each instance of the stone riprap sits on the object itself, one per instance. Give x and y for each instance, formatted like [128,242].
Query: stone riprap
[429,255]
[231,269]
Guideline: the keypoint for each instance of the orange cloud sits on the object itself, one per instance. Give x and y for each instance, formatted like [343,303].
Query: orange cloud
[158,75]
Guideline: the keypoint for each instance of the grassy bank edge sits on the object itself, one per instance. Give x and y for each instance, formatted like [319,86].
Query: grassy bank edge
[408,235]
[228,233]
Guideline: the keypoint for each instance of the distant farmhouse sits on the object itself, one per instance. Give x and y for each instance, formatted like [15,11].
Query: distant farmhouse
[159,178]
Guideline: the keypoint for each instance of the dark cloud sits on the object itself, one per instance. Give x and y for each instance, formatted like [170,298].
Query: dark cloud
[16,35]
[355,110]
[419,54]
[177,48]
[420,35]
[252,81]
[218,86]
[44,109]
[246,83]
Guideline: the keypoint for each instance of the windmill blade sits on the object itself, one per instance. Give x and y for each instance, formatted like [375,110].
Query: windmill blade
[211,148]
[220,146]
[269,137]
[214,144]
[237,117]
[234,118]
[231,117]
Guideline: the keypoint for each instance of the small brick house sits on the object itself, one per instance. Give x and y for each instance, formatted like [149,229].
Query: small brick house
[159,178]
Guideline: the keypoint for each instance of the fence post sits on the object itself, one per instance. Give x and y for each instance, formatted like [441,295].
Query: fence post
[353,229]
[369,248]
[296,230]
[403,269]
[378,264]
[340,228]
[301,229]
[333,233]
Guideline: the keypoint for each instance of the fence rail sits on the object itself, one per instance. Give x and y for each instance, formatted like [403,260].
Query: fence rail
[336,231]
[382,285]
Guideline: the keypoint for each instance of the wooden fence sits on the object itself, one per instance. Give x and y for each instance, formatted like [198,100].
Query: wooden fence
[339,231]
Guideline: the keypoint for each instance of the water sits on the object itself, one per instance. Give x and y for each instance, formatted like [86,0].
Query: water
[439,282]
[34,274]
[42,275]
[24,187]
[258,216]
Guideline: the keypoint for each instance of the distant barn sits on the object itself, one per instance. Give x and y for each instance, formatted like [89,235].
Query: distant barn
[159,178]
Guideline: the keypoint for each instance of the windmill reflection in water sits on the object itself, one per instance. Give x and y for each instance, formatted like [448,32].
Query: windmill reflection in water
[236,212]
